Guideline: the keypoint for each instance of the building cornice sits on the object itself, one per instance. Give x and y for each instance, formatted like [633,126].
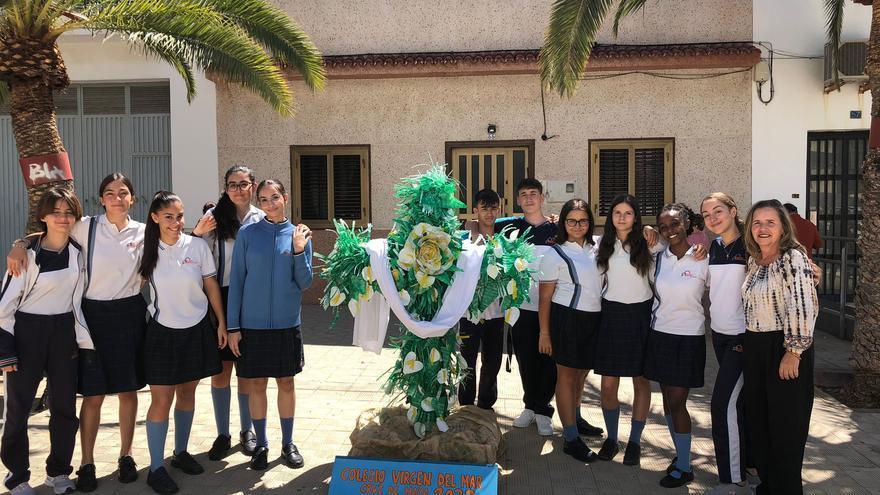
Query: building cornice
[605,58]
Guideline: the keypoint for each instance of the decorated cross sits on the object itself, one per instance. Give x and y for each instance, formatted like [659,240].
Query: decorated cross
[430,274]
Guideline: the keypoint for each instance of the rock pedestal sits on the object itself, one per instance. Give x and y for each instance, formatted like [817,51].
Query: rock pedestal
[473,436]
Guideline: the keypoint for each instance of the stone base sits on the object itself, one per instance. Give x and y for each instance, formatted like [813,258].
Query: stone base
[473,436]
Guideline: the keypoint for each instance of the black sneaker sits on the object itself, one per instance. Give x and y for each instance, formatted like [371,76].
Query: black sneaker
[609,449]
[670,481]
[579,450]
[632,456]
[671,467]
[186,463]
[260,460]
[292,457]
[248,441]
[221,447]
[586,429]
[85,478]
[161,482]
[128,470]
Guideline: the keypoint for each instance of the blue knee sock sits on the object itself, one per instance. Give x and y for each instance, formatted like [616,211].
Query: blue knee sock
[156,433]
[244,412]
[683,451]
[612,416]
[183,421]
[221,397]
[286,431]
[671,427]
[635,433]
[569,432]
[260,430]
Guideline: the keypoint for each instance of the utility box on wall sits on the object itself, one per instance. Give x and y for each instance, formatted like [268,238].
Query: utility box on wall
[559,191]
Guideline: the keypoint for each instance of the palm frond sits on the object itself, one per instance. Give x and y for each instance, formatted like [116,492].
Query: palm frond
[282,38]
[4,92]
[625,8]
[167,49]
[833,28]
[569,40]
[201,39]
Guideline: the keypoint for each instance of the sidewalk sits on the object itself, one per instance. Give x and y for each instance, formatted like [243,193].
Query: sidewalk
[339,381]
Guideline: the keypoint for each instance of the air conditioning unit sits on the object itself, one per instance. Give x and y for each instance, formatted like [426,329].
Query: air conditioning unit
[851,65]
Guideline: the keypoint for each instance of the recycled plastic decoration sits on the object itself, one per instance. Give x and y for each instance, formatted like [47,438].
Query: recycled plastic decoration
[425,254]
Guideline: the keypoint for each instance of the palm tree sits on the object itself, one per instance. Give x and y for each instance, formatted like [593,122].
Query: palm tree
[571,34]
[248,42]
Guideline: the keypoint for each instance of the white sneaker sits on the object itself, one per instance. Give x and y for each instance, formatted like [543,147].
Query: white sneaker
[729,489]
[545,425]
[61,484]
[753,481]
[22,489]
[526,418]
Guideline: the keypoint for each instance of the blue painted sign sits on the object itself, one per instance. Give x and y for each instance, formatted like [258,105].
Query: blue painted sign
[356,475]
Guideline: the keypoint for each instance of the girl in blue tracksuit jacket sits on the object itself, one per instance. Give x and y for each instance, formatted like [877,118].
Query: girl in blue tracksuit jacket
[271,267]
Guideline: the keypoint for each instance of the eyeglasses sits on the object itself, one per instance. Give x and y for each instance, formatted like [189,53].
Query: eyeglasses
[239,186]
[577,223]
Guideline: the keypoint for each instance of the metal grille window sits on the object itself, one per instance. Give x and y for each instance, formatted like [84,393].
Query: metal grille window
[643,168]
[331,182]
[496,165]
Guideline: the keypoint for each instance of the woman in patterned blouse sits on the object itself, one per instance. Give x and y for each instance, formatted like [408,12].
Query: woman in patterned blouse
[780,305]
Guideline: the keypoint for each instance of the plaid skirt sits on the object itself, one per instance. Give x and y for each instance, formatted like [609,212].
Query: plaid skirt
[173,356]
[573,336]
[117,328]
[676,360]
[623,336]
[270,353]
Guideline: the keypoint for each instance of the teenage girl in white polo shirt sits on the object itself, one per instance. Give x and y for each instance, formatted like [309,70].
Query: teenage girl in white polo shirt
[676,352]
[219,228]
[569,311]
[115,313]
[180,346]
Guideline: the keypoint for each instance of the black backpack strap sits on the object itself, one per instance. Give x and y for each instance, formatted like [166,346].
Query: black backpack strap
[572,272]
[6,282]
[221,259]
[93,228]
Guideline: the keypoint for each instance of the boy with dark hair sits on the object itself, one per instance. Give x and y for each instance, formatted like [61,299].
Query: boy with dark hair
[490,331]
[537,371]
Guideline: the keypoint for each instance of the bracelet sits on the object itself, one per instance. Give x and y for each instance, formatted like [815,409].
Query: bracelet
[793,354]
[20,243]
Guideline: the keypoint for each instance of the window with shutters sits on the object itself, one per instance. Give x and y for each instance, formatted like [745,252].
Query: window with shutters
[498,165]
[330,182]
[643,168]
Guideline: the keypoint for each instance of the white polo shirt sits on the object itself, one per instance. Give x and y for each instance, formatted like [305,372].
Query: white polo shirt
[224,269]
[178,299]
[116,258]
[555,269]
[624,284]
[680,285]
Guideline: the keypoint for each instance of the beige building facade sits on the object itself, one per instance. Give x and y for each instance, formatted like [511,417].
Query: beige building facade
[664,110]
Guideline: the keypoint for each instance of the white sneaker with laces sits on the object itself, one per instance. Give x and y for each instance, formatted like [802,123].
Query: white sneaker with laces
[730,489]
[22,489]
[545,425]
[526,418]
[61,484]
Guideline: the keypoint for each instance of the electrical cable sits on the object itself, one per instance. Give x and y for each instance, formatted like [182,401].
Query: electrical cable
[544,136]
[760,85]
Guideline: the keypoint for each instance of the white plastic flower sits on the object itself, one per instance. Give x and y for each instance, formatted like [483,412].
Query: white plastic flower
[498,251]
[411,364]
[367,274]
[442,426]
[354,306]
[424,280]
[511,315]
[411,414]
[406,257]
[512,289]
[442,376]
[419,429]
[434,355]
[427,405]
[404,297]
[368,294]
[492,270]
[520,264]
[336,296]
[513,235]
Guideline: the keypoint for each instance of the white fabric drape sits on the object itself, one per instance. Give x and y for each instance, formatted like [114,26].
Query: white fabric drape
[371,320]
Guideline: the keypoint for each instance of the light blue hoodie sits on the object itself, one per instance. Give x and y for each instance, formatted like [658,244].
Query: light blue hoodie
[267,279]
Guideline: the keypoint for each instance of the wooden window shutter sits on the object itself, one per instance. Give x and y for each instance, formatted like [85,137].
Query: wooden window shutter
[613,177]
[347,200]
[650,180]
[313,187]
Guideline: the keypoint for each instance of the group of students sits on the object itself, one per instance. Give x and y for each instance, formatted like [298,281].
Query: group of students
[73,309]
[629,303]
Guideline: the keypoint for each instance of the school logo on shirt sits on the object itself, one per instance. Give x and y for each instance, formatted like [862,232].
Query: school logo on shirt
[190,261]
[688,274]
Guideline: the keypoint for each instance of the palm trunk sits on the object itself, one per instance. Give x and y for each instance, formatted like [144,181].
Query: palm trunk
[864,390]
[35,129]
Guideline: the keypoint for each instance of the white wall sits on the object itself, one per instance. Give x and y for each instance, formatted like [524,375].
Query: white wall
[779,129]
[193,126]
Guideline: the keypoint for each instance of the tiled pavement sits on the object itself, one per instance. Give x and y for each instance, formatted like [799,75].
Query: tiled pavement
[339,381]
